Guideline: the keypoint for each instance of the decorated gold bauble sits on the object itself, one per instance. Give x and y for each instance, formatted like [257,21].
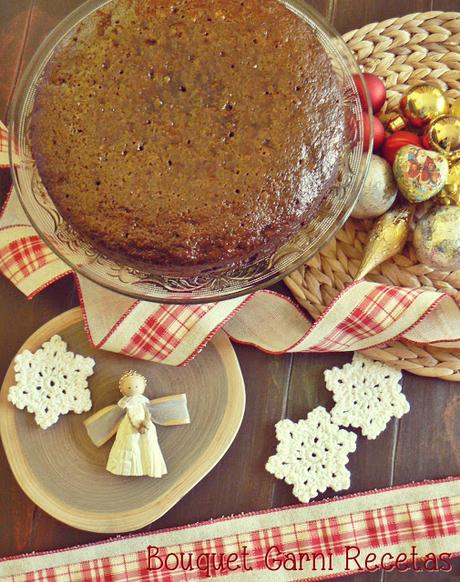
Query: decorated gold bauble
[443,135]
[450,194]
[422,103]
[455,107]
[437,238]
[420,173]
[386,238]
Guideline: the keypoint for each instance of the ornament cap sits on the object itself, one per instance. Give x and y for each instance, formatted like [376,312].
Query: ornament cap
[397,123]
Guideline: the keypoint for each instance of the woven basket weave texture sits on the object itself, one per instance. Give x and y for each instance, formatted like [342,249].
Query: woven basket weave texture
[406,51]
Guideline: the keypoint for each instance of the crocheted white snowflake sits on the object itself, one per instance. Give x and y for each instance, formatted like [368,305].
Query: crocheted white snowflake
[51,381]
[367,395]
[312,454]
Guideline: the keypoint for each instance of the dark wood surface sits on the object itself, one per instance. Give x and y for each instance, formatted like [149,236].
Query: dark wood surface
[422,445]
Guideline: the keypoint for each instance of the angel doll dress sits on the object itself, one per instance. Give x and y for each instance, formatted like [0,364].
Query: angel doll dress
[134,453]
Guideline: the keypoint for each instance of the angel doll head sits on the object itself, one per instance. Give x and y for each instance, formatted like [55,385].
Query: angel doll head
[132,383]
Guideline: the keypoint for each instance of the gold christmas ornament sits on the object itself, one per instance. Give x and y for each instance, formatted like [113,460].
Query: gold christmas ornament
[455,107]
[453,179]
[386,239]
[443,136]
[437,239]
[379,190]
[450,195]
[446,199]
[422,103]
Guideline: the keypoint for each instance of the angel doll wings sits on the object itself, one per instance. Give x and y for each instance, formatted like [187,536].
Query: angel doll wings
[165,411]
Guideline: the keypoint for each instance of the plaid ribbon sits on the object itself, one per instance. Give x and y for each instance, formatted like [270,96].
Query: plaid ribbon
[363,315]
[421,521]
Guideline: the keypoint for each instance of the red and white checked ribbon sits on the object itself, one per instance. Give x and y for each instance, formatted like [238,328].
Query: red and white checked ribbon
[363,315]
[380,524]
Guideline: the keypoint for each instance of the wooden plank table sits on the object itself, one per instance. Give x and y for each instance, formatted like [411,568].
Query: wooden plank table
[422,445]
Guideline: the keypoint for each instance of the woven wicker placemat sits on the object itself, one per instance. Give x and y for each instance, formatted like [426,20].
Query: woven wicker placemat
[403,52]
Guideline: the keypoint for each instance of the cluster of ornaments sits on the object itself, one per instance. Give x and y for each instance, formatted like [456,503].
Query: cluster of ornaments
[419,159]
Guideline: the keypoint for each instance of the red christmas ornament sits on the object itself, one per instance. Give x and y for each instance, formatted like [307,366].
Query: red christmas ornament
[396,141]
[379,131]
[375,88]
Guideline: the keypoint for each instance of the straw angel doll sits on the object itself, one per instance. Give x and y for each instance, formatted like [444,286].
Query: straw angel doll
[136,451]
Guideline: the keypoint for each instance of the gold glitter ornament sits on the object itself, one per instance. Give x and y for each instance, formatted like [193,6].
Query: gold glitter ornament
[443,136]
[387,238]
[455,107]
[422,103]
[450,195]
[453,179]
[446,199]
[437,238]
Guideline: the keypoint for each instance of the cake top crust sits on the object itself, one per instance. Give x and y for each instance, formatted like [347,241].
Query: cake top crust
[188,132]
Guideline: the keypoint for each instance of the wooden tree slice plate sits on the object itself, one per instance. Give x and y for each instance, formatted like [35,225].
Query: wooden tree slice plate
[64,473]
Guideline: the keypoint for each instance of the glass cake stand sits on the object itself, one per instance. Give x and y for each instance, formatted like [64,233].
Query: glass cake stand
[219,284]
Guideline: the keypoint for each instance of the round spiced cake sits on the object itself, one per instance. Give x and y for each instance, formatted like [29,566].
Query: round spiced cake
[189,134]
